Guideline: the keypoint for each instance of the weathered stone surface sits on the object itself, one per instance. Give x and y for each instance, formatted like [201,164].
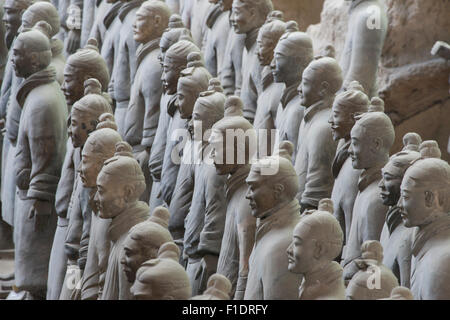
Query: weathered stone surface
[305,12]
[410,80]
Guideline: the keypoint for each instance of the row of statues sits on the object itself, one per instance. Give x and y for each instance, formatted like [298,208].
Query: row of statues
[200,150]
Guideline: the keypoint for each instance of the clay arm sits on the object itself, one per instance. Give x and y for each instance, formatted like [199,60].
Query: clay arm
[152,97]
[319,177]
[366,51]
[214,219]
[5,91]
[246,225]
[369,230]
[44,140]
[172,159]
[157,154]
[250,97]
[210,53]
[181,201]
[131,54]
[228,72]
[12,122]
[65,184]
[86,212]
[135,117]
[74,229]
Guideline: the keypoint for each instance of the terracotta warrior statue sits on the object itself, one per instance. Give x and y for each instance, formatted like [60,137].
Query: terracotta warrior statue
[168,107]
[192,80]
[112,24]
[142,243]
[205,222]
[87,20]
[47,12]
[124,68]
[395,237]
[249,16]
[231,74]
[317,241]
[99,147]
[84,119]
[83,65]
[41,146]
[142,115]
[175,61]
[367,28]
[216,36]
[316,147]
[162,278]
[372,137]
[120,183]
[292,55]
[425,206]
[14,10]
[218,288]
[98,30]
[240,225]
[208,109]
[272,187]
[342,118]
[194,13]
[271,91]
[374,280]
[38,11]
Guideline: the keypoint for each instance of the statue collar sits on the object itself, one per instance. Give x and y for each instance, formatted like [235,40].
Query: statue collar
[146,48]
[236,180]
[340,158]
[311,111]
[57,47]
[277,217]
[213,14]
[423,235]
[128,218]
[250,39]
[324,279]
[127,7]
[267,77]
[393,218]
[37,79]
[112,14]
[289,94]
[368,176]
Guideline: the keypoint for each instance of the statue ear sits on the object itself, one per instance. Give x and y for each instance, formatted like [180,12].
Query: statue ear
[157,19]
[319,249]
[324,88]
[128,191]
[429,199]
[34,58]
[278,189]
[377,143]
